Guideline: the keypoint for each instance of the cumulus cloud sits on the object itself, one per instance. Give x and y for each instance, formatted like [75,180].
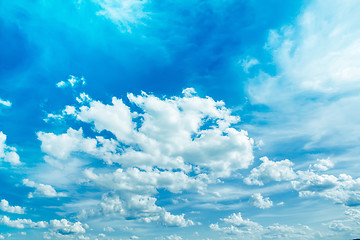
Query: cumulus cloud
[238,224]
[141,207]
[271,171]
[22,223]
[343,189]
[175,144]
[42,190]
[65,227]
[7,153]
[259,201]
[4,206]
[61,146]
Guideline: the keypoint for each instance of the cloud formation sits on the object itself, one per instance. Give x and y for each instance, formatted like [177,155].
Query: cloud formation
[7,153]
[4,206]
[260,202]
[42,190]
[271,171]
[175,144]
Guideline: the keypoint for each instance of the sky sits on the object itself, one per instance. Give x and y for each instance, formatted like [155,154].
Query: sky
[171,120]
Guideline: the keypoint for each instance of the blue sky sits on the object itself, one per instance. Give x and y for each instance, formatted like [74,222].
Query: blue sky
[130,119]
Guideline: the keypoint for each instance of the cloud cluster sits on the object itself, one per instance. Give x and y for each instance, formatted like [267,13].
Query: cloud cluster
[65,227]
[342,189]
[57,228]
[246,229]
[175,144]
[4,206]
[22,223]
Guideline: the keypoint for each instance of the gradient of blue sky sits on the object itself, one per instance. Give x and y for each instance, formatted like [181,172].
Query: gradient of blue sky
[178,165]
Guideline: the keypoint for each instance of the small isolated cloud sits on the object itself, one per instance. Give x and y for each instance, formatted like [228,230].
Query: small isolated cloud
[259,201]
[42,190]
[22,223]
[247,63]
[72,81]
[7,153]
[271,171]
[4,206]
[5,103]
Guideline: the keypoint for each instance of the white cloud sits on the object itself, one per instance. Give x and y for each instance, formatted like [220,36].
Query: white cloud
[278,231]
[7,153]
[260,202]
[65,227]
[4,206]
[271,171]
[61,146]
[140,207]
[146,182]
[72,81]
[323,164]
[22,223]
[343,189]
[237,220]
[175,144]
[6,103]
[247,229]
[42,190]
[115,118]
